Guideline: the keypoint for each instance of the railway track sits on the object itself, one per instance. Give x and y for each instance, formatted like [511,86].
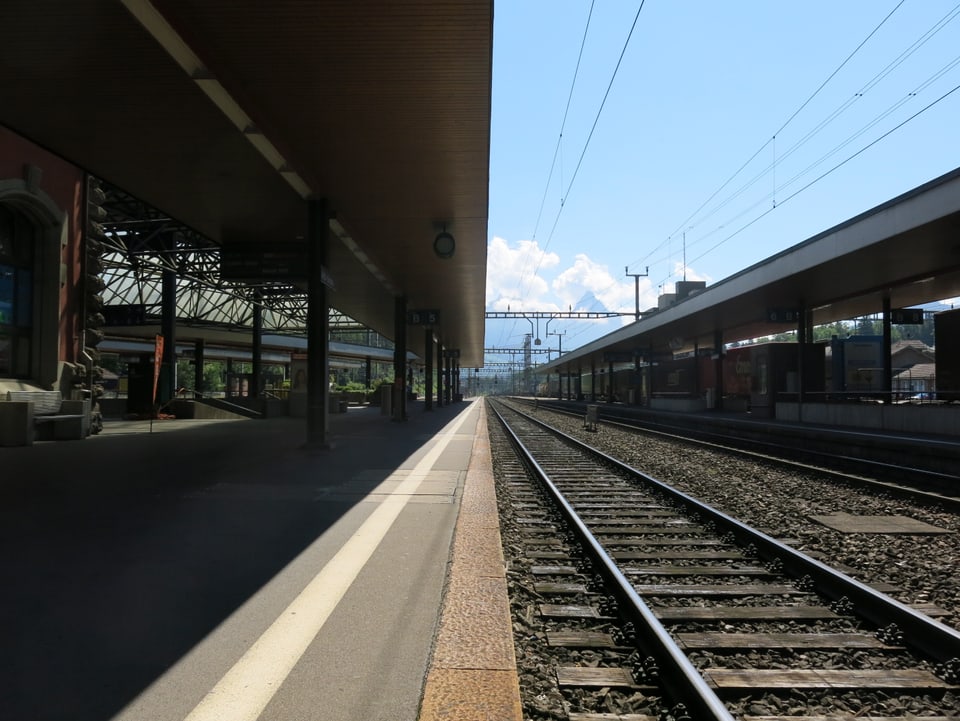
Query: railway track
[907,477]
[692,614]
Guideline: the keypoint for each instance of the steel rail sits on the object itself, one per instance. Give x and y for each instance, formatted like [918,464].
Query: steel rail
[700,437]
[682,680]
[920,631]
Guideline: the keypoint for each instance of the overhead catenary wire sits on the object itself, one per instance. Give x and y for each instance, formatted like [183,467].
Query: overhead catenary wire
[563,123]
[557,149]
[791,180]
[869,85]
[833,169]
[586,145]
[940,73]
[686,222]
[565,195]
[911,95]
[589,137]
[844,106]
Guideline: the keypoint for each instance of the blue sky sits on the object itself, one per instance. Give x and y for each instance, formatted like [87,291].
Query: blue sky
[704,90]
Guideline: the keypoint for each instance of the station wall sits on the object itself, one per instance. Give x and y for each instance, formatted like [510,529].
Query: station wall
[47,193]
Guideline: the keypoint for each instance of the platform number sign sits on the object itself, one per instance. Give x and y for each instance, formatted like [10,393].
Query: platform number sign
[783,315]
[423,317]
[907,316]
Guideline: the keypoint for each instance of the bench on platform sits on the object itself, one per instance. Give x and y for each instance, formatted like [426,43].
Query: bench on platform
[31,415]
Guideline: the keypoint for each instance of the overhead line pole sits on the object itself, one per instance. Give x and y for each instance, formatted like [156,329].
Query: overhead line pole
[636,282]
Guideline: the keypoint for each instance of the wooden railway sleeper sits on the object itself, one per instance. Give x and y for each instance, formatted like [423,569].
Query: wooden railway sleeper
[684,680]
[941,643]
[645,670]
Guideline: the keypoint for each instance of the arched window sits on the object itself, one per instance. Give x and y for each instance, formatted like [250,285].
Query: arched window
[18,237]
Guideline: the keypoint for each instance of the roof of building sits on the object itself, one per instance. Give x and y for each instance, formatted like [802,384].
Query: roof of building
[903,252]
[912,344]
[920,371]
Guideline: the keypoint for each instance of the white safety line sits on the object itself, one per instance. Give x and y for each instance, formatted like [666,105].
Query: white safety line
[246,689]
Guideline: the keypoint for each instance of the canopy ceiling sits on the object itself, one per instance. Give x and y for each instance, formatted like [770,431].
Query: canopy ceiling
[227,114]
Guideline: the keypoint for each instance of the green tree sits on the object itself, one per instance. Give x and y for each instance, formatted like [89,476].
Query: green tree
[213,372]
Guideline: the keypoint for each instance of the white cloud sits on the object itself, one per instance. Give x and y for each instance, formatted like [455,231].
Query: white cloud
[586,280]
[522,277]
[513,276]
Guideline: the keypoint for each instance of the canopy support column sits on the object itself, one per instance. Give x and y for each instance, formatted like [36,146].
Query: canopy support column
[400,359]
[198,348]
[318,310]
[802,349]
[168,328]
[439,372]
[718,367]
[428,369]
[887,342]
[257,374]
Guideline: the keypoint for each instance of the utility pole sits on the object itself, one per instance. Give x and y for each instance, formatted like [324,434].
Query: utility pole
[559,341]
[636,281]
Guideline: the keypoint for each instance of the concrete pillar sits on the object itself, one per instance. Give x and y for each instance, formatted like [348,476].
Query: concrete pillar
[446,380]
[593,382]
[428,369]
[887,385]
[368,371]
[257,370]
[802,350]
[167,384]
[400,359]
[610,390]
[637,383]
[318,310]
[718,367]
[198,348]
[696,369]
[439,373]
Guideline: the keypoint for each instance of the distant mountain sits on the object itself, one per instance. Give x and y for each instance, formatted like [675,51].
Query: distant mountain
[590,302]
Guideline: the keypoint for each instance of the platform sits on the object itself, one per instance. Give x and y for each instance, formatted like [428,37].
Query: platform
[216,569]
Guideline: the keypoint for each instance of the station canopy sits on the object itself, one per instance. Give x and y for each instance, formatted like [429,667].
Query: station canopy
[225,115]
[903,253]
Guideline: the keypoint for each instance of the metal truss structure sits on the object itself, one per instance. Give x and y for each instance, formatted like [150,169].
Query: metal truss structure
[571,314]
[511,351]
[140,245]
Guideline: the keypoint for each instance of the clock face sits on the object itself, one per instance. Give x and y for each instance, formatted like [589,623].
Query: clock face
[443,245]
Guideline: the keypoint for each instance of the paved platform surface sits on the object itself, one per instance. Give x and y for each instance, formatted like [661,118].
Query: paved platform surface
[218,570]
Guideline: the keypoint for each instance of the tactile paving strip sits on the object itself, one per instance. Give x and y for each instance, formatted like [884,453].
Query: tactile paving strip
[473,676]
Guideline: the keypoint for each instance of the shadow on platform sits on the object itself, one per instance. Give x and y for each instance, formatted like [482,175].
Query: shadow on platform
[122,551]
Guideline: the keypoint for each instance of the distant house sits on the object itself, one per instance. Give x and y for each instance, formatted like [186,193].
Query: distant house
[908,353]
[914,368]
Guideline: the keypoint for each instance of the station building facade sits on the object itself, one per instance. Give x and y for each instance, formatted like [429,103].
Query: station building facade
[44,290]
